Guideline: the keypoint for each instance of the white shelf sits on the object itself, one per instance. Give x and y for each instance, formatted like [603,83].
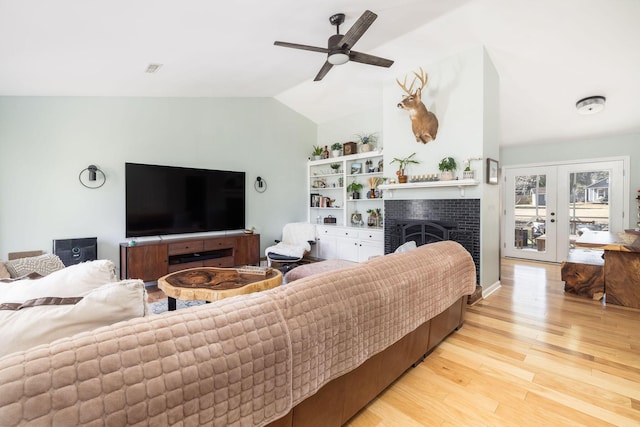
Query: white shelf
[331,209]
[460,183]
[355,175]
[377,199]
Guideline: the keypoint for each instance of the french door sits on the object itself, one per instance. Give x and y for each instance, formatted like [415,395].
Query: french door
[548,207]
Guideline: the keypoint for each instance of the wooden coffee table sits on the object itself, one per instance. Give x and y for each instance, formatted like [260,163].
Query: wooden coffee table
[212,284]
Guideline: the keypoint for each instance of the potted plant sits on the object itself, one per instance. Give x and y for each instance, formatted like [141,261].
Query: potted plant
[447,166]
[317,152]
[367,140]
[335,167]
[336,149]
[468,173]
[354,188]
[402,165]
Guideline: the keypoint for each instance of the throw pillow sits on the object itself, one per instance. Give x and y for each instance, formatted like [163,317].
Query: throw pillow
[103,306]
[43,265]
[74,281]
[406,247]
[4,273]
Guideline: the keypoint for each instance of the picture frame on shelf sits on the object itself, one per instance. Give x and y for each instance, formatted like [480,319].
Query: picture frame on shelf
[492,171]
[356,168]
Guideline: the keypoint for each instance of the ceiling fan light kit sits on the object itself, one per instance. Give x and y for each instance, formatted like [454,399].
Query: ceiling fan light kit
[339,46]
[591,105]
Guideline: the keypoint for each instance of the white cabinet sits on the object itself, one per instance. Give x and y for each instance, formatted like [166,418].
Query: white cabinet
[350,243]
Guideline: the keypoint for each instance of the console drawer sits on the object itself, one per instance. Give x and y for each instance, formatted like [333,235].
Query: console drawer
[183,266]
[186,247]
[223,242]
[370,235]
[223,262]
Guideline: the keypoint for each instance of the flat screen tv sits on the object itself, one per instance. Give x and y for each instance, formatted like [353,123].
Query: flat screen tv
[164,200]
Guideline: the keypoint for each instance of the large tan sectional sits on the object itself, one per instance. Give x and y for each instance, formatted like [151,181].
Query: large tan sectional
[312,352]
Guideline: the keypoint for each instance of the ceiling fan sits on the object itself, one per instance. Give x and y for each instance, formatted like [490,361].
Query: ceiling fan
[339,46]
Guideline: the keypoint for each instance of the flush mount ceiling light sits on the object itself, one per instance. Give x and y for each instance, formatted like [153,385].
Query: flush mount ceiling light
[591,105]
[153,68]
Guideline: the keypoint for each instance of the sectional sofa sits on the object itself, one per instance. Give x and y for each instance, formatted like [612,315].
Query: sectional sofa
[312,352]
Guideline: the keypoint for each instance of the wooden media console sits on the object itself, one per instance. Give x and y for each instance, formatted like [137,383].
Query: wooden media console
[151,260]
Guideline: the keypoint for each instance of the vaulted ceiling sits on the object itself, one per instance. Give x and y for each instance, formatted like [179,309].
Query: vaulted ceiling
[548,54]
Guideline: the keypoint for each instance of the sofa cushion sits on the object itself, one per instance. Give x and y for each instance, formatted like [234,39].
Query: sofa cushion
[74,281]
[42,264]
[105,305]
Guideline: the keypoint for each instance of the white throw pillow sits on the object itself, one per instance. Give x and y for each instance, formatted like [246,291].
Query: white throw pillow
[406,247]
[108,304]
[73,281]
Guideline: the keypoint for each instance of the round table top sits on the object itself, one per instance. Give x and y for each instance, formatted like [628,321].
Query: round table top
[212,284]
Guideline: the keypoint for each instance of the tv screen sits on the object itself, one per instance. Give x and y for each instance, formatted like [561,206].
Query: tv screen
[173,200]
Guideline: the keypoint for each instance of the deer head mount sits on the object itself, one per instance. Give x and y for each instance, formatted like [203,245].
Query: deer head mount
[423,122]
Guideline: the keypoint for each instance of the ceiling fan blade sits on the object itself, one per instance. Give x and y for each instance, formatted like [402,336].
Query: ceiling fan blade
[302,46]
[369,59]
[323,71]
[357,30]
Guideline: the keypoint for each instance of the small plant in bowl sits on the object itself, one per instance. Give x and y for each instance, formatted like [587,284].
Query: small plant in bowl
[336,149]
[317,152]
[367,140]
[354,188]
[335,167]
[447,166]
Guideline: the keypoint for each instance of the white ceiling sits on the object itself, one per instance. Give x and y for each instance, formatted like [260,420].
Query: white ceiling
[548,54]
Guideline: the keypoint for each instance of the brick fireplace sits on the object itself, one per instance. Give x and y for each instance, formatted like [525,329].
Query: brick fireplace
[427,221]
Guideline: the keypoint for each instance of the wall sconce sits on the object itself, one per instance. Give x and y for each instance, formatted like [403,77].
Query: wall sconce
[95,177]
[260,185]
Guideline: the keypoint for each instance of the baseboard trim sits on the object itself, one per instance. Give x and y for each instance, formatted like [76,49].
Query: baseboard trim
[490,289]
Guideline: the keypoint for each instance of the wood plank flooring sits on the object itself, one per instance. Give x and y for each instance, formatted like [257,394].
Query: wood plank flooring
[528,355]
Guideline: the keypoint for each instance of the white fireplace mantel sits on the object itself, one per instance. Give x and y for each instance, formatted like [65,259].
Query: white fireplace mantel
[460,183]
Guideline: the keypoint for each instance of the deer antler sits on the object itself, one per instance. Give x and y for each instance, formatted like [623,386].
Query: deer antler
[423,77]
[403,85]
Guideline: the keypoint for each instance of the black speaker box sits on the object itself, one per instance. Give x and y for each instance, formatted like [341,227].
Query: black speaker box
[75,251]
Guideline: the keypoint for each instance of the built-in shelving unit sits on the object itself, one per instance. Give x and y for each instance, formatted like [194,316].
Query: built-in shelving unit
[328,188]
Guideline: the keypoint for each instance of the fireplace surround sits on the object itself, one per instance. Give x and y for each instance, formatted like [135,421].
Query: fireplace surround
[431,220]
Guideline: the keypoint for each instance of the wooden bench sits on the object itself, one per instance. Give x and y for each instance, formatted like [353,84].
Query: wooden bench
[583,273]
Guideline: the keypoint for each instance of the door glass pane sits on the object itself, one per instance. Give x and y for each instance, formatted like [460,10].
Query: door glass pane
[530,212]
[588,202]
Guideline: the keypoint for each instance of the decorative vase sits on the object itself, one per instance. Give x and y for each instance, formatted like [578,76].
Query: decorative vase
[336,153]
[365,148]
[468,174]
[446,176]
[402,179]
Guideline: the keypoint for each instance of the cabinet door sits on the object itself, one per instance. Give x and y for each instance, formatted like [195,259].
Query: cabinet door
[327,248]
[146,262]
[368,249]
[348,249]
[247,250]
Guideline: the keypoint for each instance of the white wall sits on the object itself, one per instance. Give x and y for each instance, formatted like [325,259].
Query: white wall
[46,141]
[597,148]
[463,93]
[348,128]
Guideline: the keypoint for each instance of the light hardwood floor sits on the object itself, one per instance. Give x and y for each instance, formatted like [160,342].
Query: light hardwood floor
[528,355]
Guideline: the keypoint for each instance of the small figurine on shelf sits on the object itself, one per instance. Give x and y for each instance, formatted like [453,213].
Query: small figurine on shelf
[325,153]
